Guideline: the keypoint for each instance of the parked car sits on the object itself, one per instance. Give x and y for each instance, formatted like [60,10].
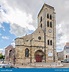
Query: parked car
[65,61]
[6,66]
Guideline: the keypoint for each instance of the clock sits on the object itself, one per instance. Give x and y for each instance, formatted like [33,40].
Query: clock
[49,30]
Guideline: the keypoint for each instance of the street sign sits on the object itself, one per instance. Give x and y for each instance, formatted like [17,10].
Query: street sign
[50,54]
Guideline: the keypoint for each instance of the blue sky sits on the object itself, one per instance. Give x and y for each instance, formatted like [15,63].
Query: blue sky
[6,38]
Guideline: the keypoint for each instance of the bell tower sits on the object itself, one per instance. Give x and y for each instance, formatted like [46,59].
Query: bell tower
[46,20]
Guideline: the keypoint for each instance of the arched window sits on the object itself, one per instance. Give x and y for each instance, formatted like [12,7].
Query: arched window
[50,42]
[66,56]
[47,15]
[47,23]
[40,18]
[26,52]
[50,16]
[51,24]
[41,25]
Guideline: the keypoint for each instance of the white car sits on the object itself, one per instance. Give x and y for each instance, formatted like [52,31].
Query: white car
[6,66]
[65,61]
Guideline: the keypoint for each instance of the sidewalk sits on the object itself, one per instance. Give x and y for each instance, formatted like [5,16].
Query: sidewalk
[40,65]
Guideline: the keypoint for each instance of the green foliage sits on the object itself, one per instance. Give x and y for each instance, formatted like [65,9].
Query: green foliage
[1,56]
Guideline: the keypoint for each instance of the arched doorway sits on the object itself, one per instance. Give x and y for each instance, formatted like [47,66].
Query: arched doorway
[39,54]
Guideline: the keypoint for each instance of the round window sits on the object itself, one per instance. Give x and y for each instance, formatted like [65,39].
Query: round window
[39,38]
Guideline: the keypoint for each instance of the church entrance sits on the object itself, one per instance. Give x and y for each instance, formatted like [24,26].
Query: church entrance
[39,54]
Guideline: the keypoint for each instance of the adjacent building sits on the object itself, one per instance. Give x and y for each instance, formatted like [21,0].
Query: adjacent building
[10,54]
[41,44]
[66,51]
[60,55]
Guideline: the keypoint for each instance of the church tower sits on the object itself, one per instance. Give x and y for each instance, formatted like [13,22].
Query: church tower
[40,46]
[46,20]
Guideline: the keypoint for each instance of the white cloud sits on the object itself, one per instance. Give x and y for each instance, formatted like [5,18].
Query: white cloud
[2,51]
[17,30]
[62,34]
[67,4]
[18,17]
[5,37]
[13,44]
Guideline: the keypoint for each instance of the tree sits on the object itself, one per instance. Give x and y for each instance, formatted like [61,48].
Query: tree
[1,56]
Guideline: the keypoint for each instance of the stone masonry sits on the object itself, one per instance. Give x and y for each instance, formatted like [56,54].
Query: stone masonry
[40,46]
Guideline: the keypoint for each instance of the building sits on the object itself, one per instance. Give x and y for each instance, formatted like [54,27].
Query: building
[60,55]
[10,54]
[40,46]
[66,51]
[1,51]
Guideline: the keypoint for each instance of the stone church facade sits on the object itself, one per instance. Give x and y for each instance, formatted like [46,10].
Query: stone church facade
[40,46]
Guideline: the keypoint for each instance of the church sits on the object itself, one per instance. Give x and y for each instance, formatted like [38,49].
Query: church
[40,46]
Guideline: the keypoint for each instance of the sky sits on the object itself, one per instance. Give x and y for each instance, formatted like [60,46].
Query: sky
[19,17]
